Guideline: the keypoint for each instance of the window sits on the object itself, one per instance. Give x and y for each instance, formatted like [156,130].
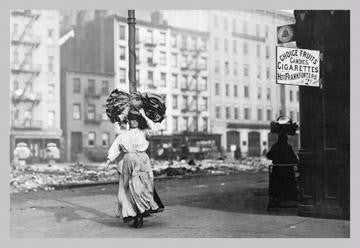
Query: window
[51,118]
[259,93]
[50,33]
[259,113]
[149,36]
[137,55]
[227,112]
[183,41]
[174,81]
[105,87]
[150,78]
[204,106]
[174,59]
[227,93]
[76,111]
[267,52]
[122,75]
[162,38]
[150,56]
[122,32]
[257,30]
[246,91]
[203,44]
[203,83]
[234,47]
[226,48]
[122,52]
[185,126]
[291,95]
[15,29]
[16,57]
[266,31]
[76,86]
[175,123]
[216,21]
[246,70]
[91,86]
[291,114]
[15,85]
[235,68]
[137,36]
[268,94]
[217,112]
[175,102]
[91,112]
[205,124]
[245,48]
[184,81]
[235,90]
[267,72]
[51,91]
[51,60]
[216,44]
[203,63]
[163,79]
[234,25]
[217,89]
[246,113]
[185,103]
[259,72]
[236,113]
[91,139]
[227,69]
[217,66]
[105,139]
[268,114]
[258,52]
[137,77]
[245,27]
[193,43]
[173,40]
[162,58]
[225,23]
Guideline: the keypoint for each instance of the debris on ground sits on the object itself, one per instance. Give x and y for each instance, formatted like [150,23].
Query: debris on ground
[42,176]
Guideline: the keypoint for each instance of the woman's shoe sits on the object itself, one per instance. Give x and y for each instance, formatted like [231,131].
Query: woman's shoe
[138,221]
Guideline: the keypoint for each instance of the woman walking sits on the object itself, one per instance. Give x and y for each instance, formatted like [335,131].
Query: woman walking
[136,182]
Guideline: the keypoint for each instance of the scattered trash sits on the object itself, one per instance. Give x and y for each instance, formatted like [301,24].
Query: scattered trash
[41,176]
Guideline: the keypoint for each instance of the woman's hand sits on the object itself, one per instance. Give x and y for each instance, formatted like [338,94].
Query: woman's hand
[142,112]
[107,164]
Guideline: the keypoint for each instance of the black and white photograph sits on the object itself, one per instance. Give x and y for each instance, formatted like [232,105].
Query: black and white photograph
[179,123]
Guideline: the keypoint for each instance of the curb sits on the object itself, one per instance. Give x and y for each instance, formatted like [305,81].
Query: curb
[88,184]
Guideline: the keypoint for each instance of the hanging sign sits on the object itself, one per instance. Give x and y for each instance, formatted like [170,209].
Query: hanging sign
[297,66]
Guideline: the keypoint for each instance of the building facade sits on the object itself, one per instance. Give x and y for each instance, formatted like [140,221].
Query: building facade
[172,62]
[244,96]
[34,80]
[87,131]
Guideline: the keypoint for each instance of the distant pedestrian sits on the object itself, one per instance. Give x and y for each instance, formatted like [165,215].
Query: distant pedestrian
[282,185]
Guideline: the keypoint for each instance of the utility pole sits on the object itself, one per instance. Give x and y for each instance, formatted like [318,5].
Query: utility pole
[132,54]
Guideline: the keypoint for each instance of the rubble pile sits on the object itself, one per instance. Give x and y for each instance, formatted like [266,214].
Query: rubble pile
[47,177]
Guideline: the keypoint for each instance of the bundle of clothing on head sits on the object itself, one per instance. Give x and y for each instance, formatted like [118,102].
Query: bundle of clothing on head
[119,102]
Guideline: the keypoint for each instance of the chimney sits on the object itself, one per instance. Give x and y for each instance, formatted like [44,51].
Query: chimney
[80,18]
[157,17]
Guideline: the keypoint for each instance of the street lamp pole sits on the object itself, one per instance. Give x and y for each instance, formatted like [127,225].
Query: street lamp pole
[132,54]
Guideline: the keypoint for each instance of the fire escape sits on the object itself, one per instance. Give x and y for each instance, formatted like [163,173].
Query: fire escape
[192,85]
[29,43]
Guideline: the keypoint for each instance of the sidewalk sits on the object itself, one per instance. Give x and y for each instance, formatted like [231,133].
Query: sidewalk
[85,217]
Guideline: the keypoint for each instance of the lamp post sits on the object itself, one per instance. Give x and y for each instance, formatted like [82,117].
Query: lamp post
[132,54]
